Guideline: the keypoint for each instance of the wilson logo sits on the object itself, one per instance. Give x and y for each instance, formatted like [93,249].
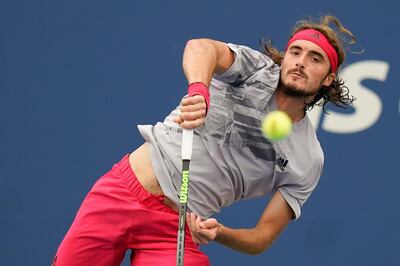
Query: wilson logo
[183,195]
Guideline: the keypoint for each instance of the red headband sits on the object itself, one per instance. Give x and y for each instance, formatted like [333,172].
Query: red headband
[319,39]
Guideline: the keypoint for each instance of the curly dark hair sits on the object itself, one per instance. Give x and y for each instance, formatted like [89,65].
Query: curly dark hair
[337,93]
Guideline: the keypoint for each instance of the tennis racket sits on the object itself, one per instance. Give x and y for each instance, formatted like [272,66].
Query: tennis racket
[187,142]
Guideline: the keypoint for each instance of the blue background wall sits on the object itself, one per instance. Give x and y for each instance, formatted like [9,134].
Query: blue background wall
[76,77]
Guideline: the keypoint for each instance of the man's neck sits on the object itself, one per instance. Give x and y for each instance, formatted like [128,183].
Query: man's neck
[293,106]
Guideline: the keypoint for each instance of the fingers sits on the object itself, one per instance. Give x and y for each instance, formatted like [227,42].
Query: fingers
[194,230]
[178,119]
[193,115]
[202,231]
[209,224]
[193,100]
[193,112]
[192,124]
[189,124]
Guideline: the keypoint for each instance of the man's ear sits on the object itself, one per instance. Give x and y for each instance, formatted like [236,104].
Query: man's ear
[329,79]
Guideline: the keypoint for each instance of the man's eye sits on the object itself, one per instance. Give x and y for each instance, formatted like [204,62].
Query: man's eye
[316,59]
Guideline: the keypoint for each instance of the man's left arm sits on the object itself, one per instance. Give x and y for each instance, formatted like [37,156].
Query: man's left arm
[272,222]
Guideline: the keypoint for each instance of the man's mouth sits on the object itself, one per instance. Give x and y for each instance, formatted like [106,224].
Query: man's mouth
[297,74]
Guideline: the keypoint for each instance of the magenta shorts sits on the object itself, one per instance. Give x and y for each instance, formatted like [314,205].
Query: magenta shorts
[117,215]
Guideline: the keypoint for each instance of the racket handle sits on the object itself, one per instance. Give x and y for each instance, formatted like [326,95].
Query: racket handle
[187,143]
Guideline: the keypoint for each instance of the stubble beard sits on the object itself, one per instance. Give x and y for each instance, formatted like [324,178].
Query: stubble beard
[295,91]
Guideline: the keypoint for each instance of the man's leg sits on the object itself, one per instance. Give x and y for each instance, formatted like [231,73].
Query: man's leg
[98,235]
[153,235]
[153,257]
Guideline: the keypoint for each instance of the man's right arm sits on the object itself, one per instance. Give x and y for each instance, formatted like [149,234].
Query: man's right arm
[201,59]
[204,57]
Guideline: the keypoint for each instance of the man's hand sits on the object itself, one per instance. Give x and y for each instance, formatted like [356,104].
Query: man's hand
[193,112]
[202,231]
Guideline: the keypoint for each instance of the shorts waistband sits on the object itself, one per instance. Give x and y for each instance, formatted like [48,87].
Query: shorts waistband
[139,194]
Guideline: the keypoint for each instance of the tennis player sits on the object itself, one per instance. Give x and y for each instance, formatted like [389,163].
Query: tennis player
[231,88]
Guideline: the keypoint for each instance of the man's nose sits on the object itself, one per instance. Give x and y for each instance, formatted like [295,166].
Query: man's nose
[301,62]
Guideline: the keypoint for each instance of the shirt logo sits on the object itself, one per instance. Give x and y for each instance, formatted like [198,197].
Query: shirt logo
[282,162]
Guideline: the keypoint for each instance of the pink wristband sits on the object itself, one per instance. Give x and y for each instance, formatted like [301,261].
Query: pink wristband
[199,88]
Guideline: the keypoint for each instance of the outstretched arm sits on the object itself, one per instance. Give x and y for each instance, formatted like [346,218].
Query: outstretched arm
[274,219]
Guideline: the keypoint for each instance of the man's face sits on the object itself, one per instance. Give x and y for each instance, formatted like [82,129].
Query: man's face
[305,69]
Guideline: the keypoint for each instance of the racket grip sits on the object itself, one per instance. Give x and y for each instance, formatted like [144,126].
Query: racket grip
[187,142]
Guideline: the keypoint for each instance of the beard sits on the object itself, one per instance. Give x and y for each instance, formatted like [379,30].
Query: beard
[294,91]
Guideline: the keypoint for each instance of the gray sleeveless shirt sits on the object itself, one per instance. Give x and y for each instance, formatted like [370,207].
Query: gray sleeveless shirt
[231,159]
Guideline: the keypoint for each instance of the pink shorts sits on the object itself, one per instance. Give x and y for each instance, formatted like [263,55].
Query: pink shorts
[117,215]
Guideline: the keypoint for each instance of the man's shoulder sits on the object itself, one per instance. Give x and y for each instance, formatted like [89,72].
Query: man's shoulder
[248,52]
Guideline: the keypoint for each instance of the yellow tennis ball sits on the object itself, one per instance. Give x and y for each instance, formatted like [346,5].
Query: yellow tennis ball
[276,125]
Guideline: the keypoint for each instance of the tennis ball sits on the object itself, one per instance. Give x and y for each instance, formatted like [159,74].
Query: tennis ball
[276,125]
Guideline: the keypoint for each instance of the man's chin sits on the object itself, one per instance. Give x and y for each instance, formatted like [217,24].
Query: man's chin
[294,91]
